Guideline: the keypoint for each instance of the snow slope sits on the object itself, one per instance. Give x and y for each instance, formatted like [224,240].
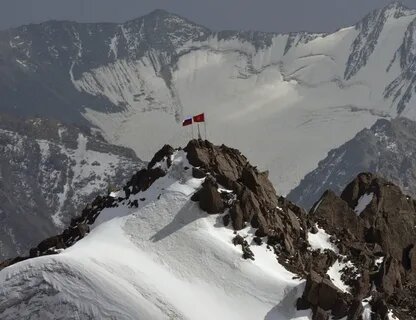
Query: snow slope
[164,260]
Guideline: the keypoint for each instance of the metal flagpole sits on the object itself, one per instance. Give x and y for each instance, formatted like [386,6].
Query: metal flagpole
[199,133]
[205,128]
[192,127]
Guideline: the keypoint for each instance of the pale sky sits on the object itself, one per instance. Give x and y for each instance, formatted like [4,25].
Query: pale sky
[264,15]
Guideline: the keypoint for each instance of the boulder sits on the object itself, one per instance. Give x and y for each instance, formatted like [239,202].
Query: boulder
[321,293]
[210,199]
[389,277]
[198,173]
[334,213]
[237,217]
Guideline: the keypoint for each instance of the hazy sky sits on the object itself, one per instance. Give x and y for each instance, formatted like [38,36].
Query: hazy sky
[265,15]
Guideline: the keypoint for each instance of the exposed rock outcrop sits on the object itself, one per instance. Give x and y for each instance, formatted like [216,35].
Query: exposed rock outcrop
[374,224]
[256,203]
[324,297]
[210,199]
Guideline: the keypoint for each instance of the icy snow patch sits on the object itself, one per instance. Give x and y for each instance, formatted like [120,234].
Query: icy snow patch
[379,261]
[363,202]
[392,316]
[367,309]
[335,272]
[321,241]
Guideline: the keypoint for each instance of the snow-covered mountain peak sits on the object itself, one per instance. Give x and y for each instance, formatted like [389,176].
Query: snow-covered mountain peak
[161,30]
[397,9]
[201,234]
[152,250]
[369,30]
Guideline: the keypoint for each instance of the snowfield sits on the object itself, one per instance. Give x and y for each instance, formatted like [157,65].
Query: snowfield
[164,260]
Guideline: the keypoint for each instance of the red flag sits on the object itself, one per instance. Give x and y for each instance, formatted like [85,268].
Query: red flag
[199,118]
[187,122]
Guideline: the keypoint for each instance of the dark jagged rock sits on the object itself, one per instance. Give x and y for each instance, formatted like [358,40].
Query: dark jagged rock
[383,227]
[225,163]
[237,217]
[389,278]
[247,253]
[356,310]
[142,180]
[165,153]
[380,308]
[321,294]
[256,202]
[331,212]
[209,197]
[198,173]
[320,314]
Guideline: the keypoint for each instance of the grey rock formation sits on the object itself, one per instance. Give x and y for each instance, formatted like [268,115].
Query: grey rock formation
[48,172]
[387,148]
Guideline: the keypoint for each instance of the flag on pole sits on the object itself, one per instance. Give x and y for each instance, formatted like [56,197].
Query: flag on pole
[187,122]
[199,118]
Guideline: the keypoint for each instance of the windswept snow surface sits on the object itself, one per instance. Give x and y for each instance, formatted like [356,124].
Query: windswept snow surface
[164,260]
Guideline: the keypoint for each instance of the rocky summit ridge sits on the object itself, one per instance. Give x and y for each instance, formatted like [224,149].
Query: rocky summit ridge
[369,231]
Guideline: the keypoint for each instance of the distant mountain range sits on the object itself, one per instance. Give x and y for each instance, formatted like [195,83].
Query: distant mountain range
[283,99]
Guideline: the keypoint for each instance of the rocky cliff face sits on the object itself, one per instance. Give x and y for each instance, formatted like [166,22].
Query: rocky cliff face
[47,172]
[356,251]
[374,224]
[387,148]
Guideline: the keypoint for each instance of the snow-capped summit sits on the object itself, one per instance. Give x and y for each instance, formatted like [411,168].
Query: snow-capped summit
[152,253]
